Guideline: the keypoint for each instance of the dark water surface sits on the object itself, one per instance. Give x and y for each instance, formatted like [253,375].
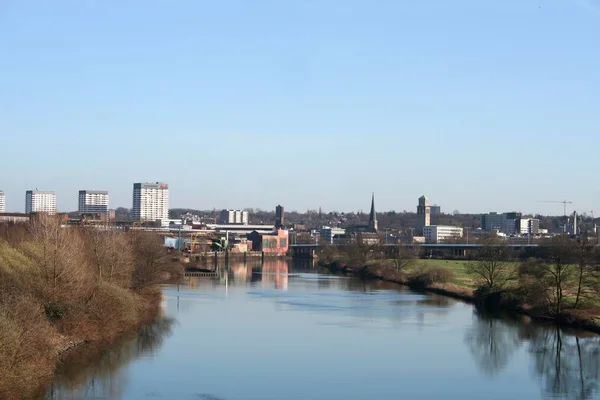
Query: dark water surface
[284,333]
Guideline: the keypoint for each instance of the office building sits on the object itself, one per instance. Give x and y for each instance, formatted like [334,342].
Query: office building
[435,210]
[93,202]
[150,201]
[493,222]
[279,217]
[527,226]
[40,201]
[2,202]
[441,233]
[328,234]
[424,213]
[239,217]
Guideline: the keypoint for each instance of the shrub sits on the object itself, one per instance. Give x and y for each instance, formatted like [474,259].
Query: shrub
[424,277]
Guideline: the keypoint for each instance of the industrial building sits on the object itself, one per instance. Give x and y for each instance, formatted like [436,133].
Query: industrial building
[233,217]
[14,218]
[93,202]
[40,201]
[272,243]
[150,201]
[441,233]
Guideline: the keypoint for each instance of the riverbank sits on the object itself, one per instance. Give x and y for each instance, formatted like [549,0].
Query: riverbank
[61,288]
[499,301]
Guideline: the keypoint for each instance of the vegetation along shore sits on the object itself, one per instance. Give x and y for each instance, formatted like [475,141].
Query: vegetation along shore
[561,284]
[64,286]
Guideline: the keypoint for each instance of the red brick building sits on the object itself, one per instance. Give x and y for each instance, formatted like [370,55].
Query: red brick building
[276,242]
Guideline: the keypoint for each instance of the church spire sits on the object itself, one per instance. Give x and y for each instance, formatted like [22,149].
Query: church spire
[373,215]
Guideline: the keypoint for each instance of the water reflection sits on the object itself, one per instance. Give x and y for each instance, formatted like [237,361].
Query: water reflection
[492,342]
[566,363]
[276,313]
[100,373]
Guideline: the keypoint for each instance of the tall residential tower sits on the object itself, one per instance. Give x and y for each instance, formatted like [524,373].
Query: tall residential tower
[40,201]
[2,202]
[150,201]
[93,202]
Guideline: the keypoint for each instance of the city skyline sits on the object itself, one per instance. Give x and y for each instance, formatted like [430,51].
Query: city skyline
[318,102]
[362,210]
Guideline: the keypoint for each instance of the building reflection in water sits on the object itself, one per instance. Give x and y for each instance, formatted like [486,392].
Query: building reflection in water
[275,272]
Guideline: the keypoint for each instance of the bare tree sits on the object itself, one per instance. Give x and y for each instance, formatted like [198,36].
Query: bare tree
[110,254]
[552,277]
[587,275]
[150,259]
[492,268]
[403,257]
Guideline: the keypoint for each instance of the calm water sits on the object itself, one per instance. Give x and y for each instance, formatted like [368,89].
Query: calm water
[286,333]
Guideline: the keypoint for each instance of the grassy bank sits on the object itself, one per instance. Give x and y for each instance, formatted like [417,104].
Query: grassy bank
[63,286]
[562,285]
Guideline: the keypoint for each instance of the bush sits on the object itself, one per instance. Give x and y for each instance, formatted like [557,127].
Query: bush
[64,285]
[424,277]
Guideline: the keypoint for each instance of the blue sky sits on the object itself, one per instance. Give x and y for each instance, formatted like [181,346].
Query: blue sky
[479,104]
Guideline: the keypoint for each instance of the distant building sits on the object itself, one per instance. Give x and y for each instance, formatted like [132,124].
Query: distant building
[93,202]
[233,217]
[424,213]
[527,226]
[14,218]
[441,233]
[2,202]
[273,243]
[150,201]
[40,201]
[279,216]
[327,234]
[511,223]
[435,210]
[493,222]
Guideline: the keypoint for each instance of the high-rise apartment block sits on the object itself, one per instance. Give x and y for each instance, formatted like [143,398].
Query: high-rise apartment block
[150,201]
[424,213]
[2,202]
[233,217]
[40,201]
[93,202]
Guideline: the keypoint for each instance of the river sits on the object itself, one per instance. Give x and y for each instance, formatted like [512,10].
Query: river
[284,332]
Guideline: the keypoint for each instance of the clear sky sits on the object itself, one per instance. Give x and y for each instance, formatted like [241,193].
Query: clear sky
[480,104]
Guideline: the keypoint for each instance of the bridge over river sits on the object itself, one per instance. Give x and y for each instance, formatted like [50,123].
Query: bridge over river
[309,250]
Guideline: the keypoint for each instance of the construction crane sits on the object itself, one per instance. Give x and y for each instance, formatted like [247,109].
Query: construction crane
[564,203]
